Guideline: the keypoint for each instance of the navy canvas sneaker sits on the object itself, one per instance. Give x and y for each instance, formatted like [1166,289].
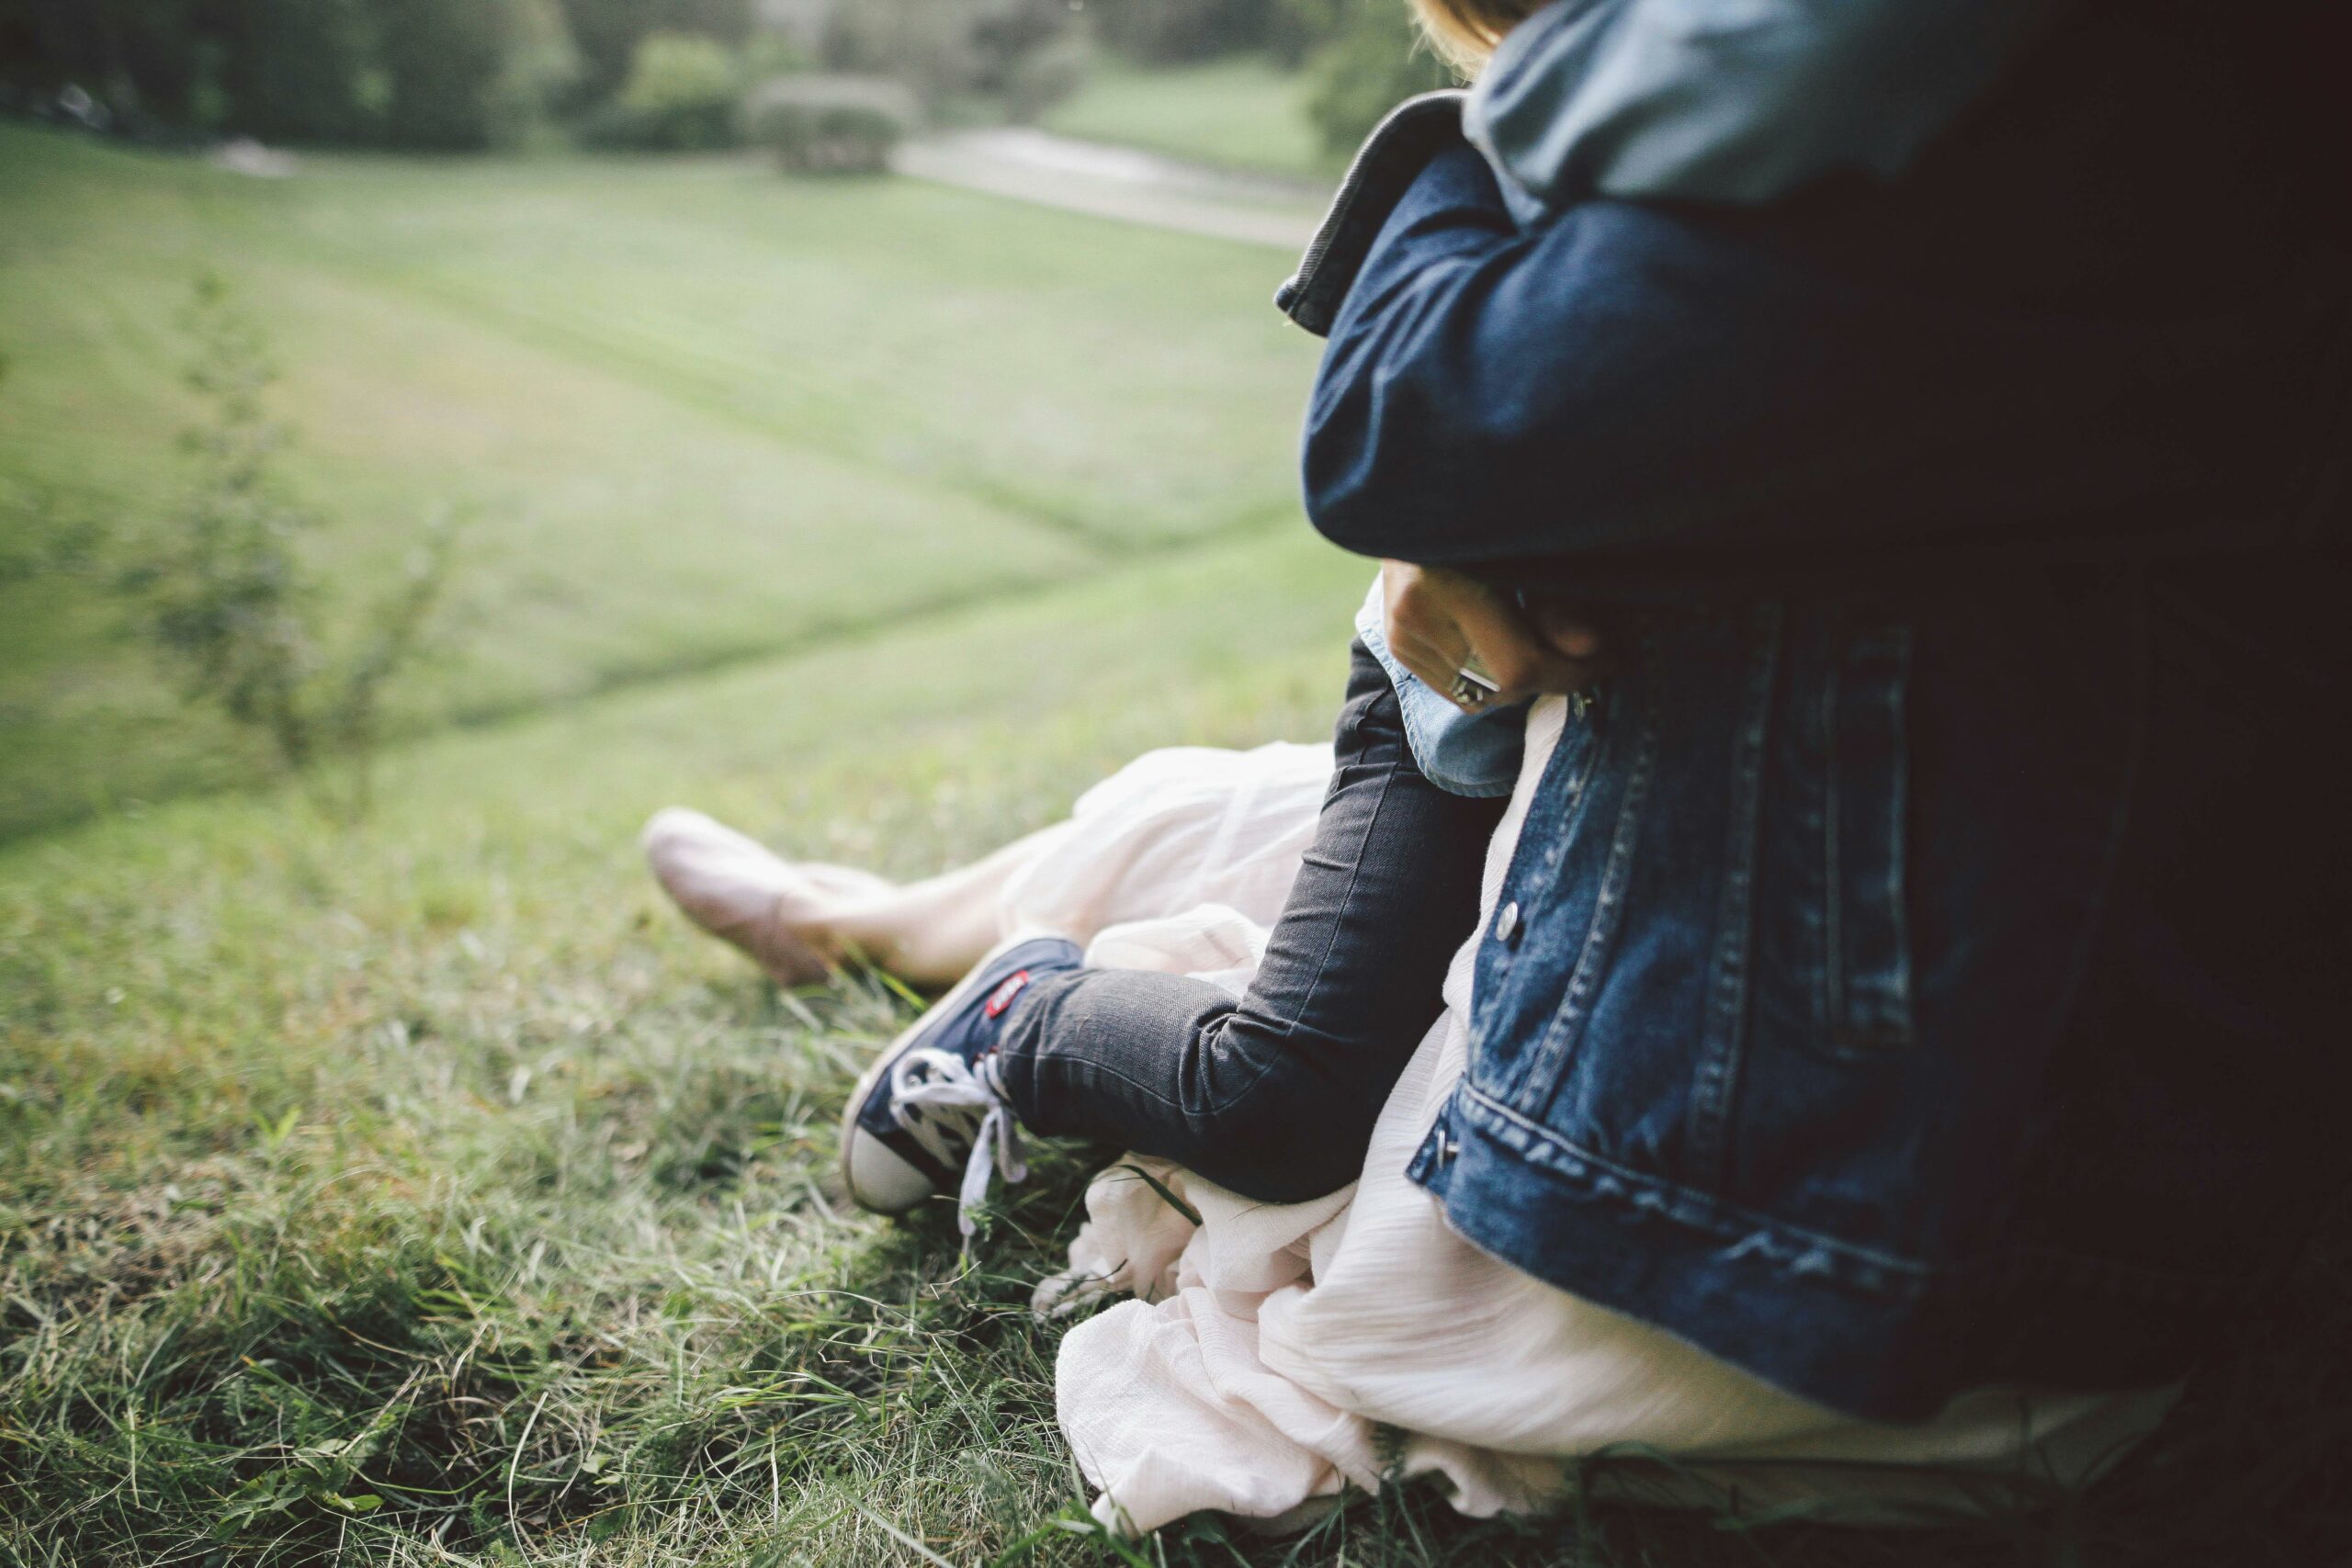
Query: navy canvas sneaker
[930,1114]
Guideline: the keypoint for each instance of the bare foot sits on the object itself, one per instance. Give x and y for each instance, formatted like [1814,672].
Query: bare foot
[844,881]
[735,888]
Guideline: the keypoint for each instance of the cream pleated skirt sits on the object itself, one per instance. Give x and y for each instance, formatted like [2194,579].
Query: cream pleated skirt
[1270,1356]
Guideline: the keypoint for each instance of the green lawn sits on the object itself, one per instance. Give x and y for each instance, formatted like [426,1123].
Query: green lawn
[1241,113]
[694,414]
[425,1192]
[428,1193]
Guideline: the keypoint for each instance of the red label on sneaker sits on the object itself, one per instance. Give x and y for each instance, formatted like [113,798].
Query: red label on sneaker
[1001,998]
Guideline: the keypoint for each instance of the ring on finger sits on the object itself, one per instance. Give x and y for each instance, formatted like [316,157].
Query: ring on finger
[1473,687]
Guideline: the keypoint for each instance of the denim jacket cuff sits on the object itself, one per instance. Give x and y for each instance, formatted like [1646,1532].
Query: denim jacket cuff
[1472,754]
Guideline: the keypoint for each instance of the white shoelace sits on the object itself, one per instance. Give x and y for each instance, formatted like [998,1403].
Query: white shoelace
[935,1093]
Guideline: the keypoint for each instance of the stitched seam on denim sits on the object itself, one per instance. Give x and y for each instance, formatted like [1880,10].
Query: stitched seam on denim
[1838,1037]
[1723,1219]
[1571,788]
[1080,1072]
[1426,746]
[1068,1068]
[1289,1023]
[1546,1064]
[1721,1048]
[1552,841]
[1842,1038]
[1453,783]
[1552,1044]
[1418,738]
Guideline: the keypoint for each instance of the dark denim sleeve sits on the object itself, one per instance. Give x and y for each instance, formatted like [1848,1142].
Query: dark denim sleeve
[1649,392]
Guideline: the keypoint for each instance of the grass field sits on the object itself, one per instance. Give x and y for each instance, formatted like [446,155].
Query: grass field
[425,1192]
[1240,113]
[691,414]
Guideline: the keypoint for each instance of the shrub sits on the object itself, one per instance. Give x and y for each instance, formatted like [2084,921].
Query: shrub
[608,32]
[542,65]
[1167,31]
[949,51]
[1375,61]
[681,96]
[221,589]
[830,124]
[440,62]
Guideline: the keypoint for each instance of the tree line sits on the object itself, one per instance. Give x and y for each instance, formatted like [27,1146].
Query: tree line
[464,74]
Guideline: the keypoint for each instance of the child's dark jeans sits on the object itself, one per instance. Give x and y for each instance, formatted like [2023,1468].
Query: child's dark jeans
[1274,1096]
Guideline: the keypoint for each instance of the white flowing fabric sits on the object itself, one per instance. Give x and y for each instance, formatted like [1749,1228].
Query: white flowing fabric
[1273,1354]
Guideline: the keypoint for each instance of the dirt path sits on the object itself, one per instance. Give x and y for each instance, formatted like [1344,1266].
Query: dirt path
[1122,182]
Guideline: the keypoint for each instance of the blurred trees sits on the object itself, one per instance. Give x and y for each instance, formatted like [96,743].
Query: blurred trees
[609,32]
[437,60]
[418,73]
[1169,31]
[282,70]
[1363,56]
[447,74]
[1018,52]
[680,95]
[825,125]
[436,74]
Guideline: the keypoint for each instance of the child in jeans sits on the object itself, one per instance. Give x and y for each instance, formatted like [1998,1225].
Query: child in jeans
[1272,1095]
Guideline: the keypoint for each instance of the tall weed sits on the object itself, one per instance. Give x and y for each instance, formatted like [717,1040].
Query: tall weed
[222,590]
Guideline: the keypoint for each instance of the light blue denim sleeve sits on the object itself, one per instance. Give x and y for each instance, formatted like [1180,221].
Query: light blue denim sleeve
[1474,754]
[1730,100]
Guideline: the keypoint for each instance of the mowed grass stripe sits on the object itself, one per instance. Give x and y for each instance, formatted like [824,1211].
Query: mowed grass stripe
[676,546]
[646,501]
[1134,381]
[677,364]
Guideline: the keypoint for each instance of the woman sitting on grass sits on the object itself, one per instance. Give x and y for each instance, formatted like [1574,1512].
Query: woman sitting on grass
[1931,528]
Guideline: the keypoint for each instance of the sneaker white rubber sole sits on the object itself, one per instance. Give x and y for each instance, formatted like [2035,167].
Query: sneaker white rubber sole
[881,1181]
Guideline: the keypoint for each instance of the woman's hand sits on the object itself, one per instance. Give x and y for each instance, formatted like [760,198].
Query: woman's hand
[1440,622]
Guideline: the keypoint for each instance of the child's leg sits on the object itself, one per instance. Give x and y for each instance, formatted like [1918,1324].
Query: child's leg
[1274,1096]
[798,919]
[931,932]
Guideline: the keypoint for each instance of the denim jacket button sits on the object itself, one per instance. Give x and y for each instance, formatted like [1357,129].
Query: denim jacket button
[1507,925]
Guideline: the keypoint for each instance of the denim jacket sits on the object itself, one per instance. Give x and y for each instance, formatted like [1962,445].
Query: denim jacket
[1852,1005]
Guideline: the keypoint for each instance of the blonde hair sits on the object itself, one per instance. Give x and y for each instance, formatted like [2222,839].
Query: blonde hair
[1465,32]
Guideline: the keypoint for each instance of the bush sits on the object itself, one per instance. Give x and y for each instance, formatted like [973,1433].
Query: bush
[292,71]
[220,590]
[947,50]
[928,45]
[542,66]
[1169,31]
[609,32]
[830,124]
[441,60]
[681,96]
[1375,61]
